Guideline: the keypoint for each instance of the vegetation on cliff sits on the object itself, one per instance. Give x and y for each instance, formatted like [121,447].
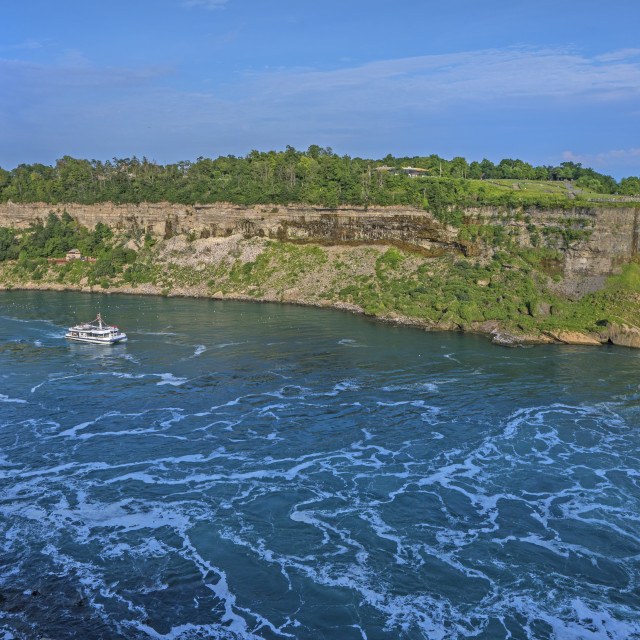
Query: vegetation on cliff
[317,177]
[515,290]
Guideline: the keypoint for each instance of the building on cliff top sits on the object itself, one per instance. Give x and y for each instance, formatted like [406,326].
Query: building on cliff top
[412,172]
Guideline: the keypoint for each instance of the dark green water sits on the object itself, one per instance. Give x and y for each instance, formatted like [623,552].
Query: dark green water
[260,471]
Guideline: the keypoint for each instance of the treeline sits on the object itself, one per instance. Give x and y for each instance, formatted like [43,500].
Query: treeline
[32,247]
[316,176]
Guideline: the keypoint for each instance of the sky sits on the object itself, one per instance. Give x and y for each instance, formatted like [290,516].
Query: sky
[172,80]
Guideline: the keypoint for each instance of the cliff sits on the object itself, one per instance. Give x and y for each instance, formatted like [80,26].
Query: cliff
[592,242]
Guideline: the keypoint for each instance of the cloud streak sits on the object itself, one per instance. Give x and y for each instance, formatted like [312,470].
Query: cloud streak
[426,84]
[614,157]
[476,75]
[76,106]
[27,44]
[204,4]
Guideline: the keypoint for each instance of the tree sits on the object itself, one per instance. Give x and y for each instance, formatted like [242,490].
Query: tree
[629,186]
[488,168]
[459,167]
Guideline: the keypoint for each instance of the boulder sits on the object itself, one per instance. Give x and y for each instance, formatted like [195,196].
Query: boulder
[543,309]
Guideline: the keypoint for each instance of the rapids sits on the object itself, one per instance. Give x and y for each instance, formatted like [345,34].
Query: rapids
[241,470]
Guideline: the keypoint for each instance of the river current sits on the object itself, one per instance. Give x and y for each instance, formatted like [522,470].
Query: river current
[241,470]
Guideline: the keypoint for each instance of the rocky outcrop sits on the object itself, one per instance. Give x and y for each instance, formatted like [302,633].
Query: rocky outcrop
[623,334]
[401,226]
[592,242]
[574,337]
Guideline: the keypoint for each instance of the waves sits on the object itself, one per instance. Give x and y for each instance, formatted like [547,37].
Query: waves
[401,527]
[244,493]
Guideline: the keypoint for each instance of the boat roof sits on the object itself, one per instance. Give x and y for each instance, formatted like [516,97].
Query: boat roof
[95,325]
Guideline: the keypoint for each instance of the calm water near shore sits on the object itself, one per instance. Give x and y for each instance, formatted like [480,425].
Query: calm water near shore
[243,470]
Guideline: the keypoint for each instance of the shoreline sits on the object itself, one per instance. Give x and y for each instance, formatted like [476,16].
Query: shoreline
[622,334]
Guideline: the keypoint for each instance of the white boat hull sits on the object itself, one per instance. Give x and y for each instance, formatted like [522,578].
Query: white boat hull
[93,340]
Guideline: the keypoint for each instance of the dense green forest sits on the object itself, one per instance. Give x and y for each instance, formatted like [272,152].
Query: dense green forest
[316,176]
[32,248]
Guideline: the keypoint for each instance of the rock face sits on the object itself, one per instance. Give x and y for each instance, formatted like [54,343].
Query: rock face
[402,226]
[575,337]
[592,242]
[624,335]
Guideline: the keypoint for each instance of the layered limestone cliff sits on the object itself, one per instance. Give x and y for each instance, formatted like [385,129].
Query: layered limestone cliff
[592,242]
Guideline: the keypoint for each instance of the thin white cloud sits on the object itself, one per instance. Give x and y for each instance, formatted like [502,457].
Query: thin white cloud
[424,84]
[486,75]
[27,44]
[622,54]
[73,58]
[81,109]
[74,71]
[614,157]
[204,4]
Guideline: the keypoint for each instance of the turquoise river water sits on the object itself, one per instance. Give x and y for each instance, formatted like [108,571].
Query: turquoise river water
[241,470]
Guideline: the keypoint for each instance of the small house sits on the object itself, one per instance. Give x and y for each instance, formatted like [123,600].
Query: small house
[74,254]
[415,172]
[412,172]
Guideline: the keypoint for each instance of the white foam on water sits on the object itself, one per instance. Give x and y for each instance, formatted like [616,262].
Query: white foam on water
[431,387]
[288,392]
[30,320]
[147,548]
[124,375]
[125,516]
[170,379]
[56,378]
[224,345]
[270,410]
[191,630]
[430,415]
[200,349]
[400,403]
[568,619]
[349,342]
[347,385]
[4,398]
[177,415]
[73,431]
[129,432]
[387,532]
[234,621]
[401,613]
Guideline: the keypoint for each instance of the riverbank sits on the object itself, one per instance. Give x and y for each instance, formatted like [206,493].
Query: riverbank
[513,298]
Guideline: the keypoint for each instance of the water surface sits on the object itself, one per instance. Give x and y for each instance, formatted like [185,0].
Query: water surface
[258,471]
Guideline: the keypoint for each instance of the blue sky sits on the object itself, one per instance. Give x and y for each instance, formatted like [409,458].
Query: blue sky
[178,79]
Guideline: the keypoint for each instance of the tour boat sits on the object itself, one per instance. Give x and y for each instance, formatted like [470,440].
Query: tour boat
[97,332]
